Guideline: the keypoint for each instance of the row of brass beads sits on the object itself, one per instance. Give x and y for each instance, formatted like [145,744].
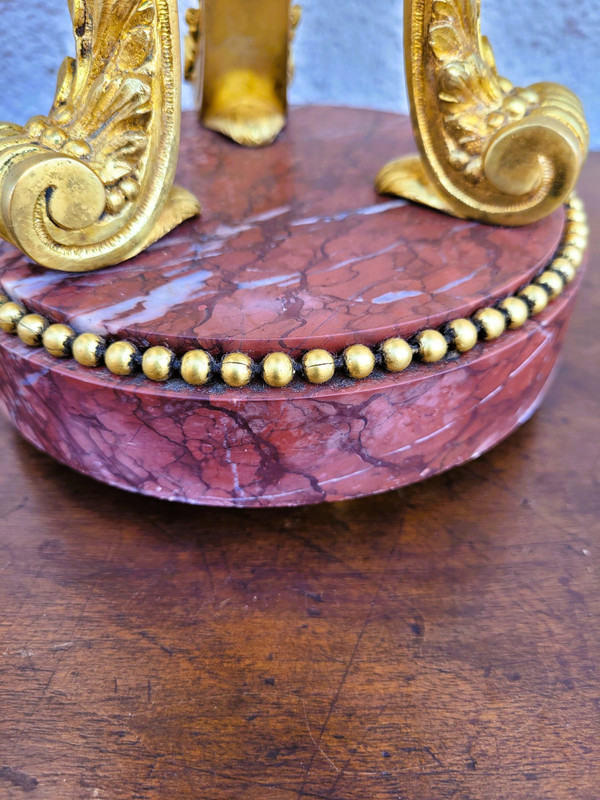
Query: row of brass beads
[318,366]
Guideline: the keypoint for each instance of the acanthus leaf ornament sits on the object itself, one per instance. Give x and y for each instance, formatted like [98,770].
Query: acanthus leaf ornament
[488,150]
[91,184]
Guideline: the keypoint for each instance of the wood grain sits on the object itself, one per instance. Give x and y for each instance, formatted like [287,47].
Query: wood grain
[436,643]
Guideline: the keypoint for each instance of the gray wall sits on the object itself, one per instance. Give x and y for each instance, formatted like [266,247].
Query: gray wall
[346,53]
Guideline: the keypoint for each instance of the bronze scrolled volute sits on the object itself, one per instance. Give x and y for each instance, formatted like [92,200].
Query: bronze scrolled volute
[91,183]
[488,150]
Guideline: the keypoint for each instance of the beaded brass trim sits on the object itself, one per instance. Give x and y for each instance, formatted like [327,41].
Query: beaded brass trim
[277,369]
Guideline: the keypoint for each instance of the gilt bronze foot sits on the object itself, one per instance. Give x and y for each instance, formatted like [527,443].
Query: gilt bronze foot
[488,150]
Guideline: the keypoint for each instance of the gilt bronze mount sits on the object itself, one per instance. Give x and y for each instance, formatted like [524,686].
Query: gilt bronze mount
[238,56]
[488,150]
[91,184]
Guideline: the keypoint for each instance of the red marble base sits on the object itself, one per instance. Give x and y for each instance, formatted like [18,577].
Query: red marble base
[294,251]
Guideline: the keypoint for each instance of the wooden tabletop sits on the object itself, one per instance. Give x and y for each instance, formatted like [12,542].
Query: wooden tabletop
[437,643]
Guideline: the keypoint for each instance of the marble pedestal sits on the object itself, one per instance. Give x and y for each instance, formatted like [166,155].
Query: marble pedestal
[294,251]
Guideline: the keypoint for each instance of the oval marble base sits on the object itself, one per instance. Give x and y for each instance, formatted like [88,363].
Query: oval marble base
[294,251]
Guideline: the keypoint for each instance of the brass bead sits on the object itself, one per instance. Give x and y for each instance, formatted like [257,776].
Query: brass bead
[157,363]
[517,310]
[575,215]
[432,346]
[397,354]
[552,281]
[10,314]
[236,369]
[359,361]
[464,334]
[57,340]
[579,229]
[278,370]
[565,267]
[574,254]
[88,349]
[3,299]
[319,366]
[492,321]
[195,367]
[120,358]
[536,297]
[576,203]
[30,329]
[574,240]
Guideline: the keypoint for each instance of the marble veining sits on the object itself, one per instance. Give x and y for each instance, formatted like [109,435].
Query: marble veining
[293,251]
[313,258]
[288,447]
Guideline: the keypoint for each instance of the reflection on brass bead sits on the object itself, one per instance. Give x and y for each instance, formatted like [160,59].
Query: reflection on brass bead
[565,267]
[576,203]
[157,363]
[574,254]
[432,346]
[88,349]
[236,369]
[30,329]
[492,321]
[464,334]
[536,297]
[57,340]
[278,370]
[575,215]
[552,282]
[397,354]
[10,314]
[574,240]
[579,229]
[517,310]
[359,361]
[319,366]
[195,367]
[120,358]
